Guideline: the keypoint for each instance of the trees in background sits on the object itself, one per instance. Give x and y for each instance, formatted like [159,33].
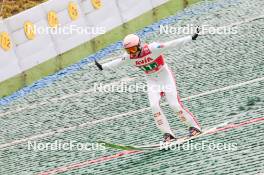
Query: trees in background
[12,7]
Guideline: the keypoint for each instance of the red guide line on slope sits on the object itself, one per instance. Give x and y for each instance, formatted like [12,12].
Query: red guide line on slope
[79,165]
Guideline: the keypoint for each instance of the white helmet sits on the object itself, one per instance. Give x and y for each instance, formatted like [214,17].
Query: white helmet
[131,40]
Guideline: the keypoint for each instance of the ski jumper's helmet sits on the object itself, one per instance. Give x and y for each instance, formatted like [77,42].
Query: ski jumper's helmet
[132,43]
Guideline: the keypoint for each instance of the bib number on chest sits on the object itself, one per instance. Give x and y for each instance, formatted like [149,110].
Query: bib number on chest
[149,67]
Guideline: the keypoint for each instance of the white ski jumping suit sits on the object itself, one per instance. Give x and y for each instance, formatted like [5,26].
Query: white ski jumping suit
[160,81]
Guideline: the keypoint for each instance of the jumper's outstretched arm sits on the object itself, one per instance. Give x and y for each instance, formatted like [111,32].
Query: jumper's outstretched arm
[158,48]
[113,64]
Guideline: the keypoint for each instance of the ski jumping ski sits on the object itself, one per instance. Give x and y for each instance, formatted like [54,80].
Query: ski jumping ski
[162,145]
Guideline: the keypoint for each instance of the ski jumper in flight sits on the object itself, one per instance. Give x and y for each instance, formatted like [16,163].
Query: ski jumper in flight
[150,60]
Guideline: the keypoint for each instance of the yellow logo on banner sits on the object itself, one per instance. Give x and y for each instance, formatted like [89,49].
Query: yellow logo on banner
[97,4]
[53,19]
[73,11]
[29,29]
[5,41]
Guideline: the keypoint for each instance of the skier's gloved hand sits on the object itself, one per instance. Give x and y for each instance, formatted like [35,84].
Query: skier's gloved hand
[196,34]
[98,65]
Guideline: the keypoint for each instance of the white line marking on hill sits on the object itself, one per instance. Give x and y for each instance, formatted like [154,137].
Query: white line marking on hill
[90,123]
[48,101]
[227,88]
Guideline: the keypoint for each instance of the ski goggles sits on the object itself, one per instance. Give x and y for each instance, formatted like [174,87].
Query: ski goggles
[133,49]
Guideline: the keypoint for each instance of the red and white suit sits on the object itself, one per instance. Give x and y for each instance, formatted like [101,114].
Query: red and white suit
[160,81]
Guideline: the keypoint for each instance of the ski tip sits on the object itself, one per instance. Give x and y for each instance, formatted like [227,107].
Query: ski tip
[119,147]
